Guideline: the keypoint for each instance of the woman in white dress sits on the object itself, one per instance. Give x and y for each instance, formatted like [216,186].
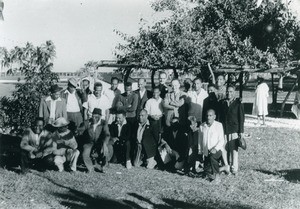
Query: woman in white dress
[260,106]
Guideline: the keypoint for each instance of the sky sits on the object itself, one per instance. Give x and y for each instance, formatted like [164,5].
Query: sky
[82,30]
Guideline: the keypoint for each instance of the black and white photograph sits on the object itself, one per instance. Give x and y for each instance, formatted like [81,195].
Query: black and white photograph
[150,104]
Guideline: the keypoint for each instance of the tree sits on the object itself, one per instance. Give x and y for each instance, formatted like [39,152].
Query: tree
[213,32]
[36,64]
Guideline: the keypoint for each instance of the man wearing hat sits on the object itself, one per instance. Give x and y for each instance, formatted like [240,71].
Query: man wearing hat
[53,107]
[65,146]
[73,101]
[93,143]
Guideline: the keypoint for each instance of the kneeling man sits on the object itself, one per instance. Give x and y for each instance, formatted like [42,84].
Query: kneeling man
[211,142]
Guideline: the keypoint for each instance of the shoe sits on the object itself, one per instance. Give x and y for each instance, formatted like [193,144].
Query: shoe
[128,164]
[151,163]
[216,179]
[225,169]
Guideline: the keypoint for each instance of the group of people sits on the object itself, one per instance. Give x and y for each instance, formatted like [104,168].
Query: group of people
[173,128]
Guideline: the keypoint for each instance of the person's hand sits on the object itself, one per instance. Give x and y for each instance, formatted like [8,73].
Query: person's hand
[168,148]
[39,155]
[115,139]
[213,151]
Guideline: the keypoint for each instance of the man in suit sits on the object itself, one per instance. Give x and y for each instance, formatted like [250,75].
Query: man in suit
[74,103]
[95,140]
[120,132]
[143,95]
[146,142]
[163,87]
[53,107]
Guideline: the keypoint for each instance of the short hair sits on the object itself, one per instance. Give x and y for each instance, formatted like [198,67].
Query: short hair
[123,112]
[143,79]
[128,84]
[231,86]
[86,80]
[163,72]
[211,85]
[221,75]
[156,87]
[38,119]
[114,78]
[211,110]
[197,78]
[145,111]
[97,84]
[175,79]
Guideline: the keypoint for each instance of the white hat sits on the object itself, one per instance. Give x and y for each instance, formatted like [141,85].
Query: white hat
[60,122]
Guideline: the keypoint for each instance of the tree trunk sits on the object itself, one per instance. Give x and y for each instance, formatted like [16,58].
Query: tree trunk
[213,78]
[152,77]
[127,74]
[175,74]
[287,96]
[240,79]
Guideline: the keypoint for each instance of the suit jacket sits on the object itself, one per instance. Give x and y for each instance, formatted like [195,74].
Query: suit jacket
[142,100]
[65,96]
[100,135]
[129,102]
[232,117]
[125,132]
[60,111]
[179,143]
[210,102]
[149,139]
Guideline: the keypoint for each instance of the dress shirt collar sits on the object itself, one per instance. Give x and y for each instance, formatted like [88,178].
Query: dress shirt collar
[49,99]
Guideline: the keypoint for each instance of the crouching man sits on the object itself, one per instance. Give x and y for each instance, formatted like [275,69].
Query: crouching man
[66,146]
[37,147]
[211,142]
[95,142]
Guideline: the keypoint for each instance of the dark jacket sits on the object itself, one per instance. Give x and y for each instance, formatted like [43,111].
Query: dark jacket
[142,100]
[129,102]
[163,90]
[149,139]
[125,132]
[179,143]
[232,117]
[100,134]
[211,102]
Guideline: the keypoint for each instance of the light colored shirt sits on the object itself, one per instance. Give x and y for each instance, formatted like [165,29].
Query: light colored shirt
[102,103]
[196,105]
[72,102]
[110,95]
[211,137]
[141,130]
[142,93]
[154,106]
[120,127]
[52,106]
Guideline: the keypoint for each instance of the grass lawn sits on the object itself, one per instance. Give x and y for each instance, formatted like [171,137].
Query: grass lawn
[269,177]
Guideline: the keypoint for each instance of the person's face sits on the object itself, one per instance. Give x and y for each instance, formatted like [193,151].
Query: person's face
[114,84]
[210,116]
[175,85]
[85,84]
[55,95]
[220,81]
[96,118]
[97,91]
[143,117]
[230,93]
[120,118]
[197,84]
[156,93]
[38,127]
[141,84]
[71,88]
[162,78]
[128,89]
[211,89]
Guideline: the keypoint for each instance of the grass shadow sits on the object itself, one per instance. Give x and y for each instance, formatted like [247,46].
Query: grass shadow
[291,175]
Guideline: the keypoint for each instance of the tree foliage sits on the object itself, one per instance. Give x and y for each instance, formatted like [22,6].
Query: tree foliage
[36,64]
[216,32]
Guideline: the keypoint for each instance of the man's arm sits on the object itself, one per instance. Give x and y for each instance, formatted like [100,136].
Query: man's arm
[166,102]
[241,118]
[133,105]
[64,108]
[24,142]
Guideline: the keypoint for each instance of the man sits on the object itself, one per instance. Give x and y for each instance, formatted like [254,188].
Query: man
[146,142]
[129,101]
[211,142]
[154,109]
[53,107]
[97,100]
[36,147]
[210,102]
[85,90]
[163,87]
[143,95]
[66,146]
[93,143]
[173,103]
[175,141]
[74,104]
[196,98]
[120,132]
[221,88]
[232,117]
[113,91]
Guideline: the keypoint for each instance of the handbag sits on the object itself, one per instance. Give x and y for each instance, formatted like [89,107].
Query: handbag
[242,143]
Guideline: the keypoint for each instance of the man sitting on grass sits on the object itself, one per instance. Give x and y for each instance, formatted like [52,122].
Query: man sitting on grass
[37,147]
[66,146]
[211,142]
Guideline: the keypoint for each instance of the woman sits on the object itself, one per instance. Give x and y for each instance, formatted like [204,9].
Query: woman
[260,106]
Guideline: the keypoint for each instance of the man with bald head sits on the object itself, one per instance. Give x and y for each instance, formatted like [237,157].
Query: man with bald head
[145,142]
[174,103]
[211,142]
